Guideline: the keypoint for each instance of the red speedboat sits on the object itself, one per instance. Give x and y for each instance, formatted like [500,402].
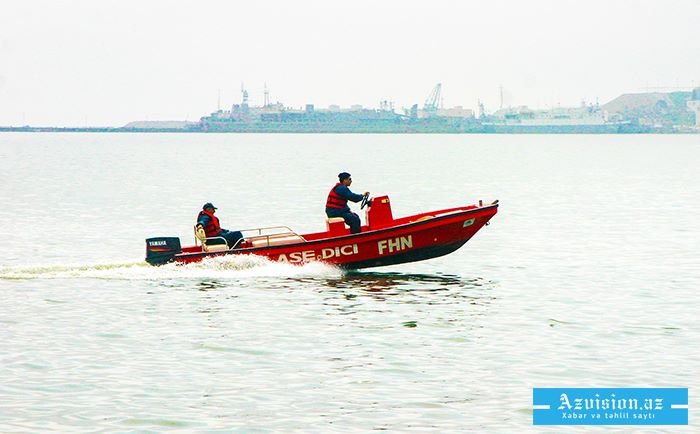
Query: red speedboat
[384,240]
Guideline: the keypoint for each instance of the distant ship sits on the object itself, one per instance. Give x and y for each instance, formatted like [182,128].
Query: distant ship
[275,118]
[584,119]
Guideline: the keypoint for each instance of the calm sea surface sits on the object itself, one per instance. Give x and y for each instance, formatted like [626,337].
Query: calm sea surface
[588,276]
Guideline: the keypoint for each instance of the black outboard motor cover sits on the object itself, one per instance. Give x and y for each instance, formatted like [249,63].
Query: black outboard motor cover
[162,249]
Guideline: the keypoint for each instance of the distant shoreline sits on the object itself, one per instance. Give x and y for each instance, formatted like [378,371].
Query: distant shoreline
[534,130]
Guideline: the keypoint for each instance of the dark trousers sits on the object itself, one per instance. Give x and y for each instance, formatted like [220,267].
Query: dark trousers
[352,219]
[231,236]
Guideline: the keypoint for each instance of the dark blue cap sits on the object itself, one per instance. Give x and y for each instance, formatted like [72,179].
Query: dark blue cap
[209,205]
[343,176]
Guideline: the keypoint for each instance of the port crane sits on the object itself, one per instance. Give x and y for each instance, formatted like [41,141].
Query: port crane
[433,101]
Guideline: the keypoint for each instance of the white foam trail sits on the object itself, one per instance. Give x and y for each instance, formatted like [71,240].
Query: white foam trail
[222,267]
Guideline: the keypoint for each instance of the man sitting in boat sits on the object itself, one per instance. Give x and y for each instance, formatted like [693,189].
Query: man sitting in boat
[337,202]
[210,223]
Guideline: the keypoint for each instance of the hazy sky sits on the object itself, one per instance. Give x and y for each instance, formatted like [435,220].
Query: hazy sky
[71,63]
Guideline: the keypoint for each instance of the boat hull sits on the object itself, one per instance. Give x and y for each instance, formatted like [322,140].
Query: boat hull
[409,239]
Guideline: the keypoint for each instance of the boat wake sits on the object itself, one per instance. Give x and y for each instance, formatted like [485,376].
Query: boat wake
[222,267]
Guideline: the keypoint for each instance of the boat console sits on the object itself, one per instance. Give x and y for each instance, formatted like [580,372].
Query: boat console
[378,214]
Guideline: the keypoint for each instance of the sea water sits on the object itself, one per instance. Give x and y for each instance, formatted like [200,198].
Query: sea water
[588,276]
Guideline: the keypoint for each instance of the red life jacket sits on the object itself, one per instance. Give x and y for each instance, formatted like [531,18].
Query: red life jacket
[335,200]
[213,228]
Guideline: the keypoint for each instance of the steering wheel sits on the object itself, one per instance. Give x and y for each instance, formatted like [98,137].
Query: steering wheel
[365,201]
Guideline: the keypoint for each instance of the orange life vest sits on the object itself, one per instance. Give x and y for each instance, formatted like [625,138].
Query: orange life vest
[335,200]
[212,228]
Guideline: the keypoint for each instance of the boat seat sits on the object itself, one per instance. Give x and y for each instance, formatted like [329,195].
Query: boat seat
[275,240]
[215,247]
[212,244]
[336,226]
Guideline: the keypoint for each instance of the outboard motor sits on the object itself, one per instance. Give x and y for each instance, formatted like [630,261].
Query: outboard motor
[162,250]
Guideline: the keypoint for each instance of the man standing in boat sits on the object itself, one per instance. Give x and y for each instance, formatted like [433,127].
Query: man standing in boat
[337,202]
[210,223]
